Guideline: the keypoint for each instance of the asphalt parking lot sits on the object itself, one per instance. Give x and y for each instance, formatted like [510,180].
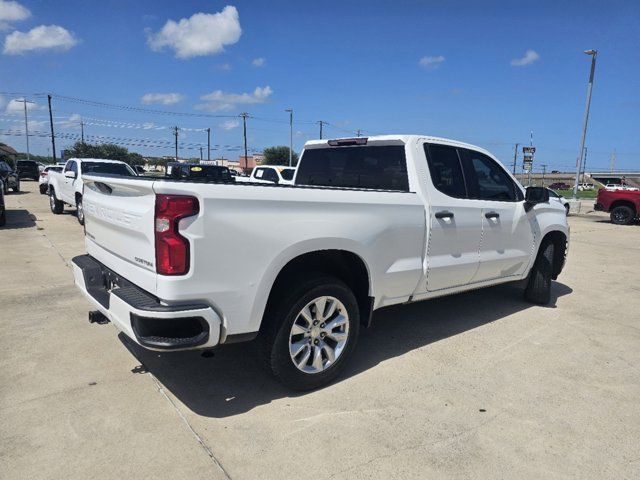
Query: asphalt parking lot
[479,385]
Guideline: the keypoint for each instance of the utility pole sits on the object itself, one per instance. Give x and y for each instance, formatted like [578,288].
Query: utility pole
[612,163]
[594,54]
[82,129]
[175,134]
[321,123]
[584,164]
[358,133]
[26,124]
[515,159]
[200,153]
[208,144]
[290,110]
[544,171]
[244,116]
[53,137]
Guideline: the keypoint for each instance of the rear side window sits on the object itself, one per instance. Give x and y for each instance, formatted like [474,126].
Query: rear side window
[445,169]
[108,168]
[486,180]
[377,167]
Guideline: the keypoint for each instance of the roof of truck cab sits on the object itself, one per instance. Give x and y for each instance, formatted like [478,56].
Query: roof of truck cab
[403,139]
[101,160]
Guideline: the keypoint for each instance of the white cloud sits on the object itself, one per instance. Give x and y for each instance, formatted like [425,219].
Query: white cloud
[16,106]
[530,56]
[230,124]
[39,38]
[259,62]
[431,62]
[219,100]
[161,98]
[201,34]
[13,12]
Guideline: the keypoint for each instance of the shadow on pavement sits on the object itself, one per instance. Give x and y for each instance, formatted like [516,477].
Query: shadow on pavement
[19,219]
[235,381]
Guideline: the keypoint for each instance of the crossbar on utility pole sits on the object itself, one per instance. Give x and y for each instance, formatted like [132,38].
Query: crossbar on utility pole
[53,137]
[594,54]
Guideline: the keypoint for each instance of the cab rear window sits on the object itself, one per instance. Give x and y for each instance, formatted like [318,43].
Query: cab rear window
[381,167]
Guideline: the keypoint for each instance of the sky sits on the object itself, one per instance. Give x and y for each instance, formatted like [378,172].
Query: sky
[487,73]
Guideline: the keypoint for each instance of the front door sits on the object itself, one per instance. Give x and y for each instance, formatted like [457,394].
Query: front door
[507,236]
[68,193]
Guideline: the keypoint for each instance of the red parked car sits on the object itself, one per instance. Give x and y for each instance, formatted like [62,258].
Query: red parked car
[623,205]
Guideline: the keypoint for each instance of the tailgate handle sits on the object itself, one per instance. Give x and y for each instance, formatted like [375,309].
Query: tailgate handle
[103,187]
[492,215]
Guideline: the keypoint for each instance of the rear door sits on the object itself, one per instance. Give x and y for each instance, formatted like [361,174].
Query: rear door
[455,223]
[119,226]
[507,235]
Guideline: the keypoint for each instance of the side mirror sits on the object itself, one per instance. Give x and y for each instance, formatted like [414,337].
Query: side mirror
[70,174]
[535,195]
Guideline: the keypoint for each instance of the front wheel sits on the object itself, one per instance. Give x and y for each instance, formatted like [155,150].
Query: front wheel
[311,333]
[56,205]
[43,188]
[538,288]
[622,215]
[16,188]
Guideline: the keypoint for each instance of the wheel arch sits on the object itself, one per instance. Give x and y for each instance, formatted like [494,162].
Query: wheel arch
[560,243]
[345,265]
[623,203]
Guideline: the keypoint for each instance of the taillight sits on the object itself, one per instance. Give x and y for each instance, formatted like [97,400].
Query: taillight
[43,174]
[172,249]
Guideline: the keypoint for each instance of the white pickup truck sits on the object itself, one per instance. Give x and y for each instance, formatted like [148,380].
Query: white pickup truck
[66,186]
[369,222]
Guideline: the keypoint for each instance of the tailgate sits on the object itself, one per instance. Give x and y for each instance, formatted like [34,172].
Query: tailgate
[119,226]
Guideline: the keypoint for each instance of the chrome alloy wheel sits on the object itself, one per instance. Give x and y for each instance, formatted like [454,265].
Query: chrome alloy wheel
[319,335]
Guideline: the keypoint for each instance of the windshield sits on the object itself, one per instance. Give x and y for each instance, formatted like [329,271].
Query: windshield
[287,173]
[108,168]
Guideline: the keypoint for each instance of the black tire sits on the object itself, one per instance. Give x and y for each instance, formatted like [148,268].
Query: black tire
[622,215]
[44,188]
[279,320]
[56,205]
[538,288]
[79,211]
[17,187]
[3,218]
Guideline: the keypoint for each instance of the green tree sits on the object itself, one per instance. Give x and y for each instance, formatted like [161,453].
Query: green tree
[107,151]
[278,156]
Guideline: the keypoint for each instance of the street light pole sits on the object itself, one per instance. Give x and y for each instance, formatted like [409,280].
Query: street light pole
[290,110]
[26,125]
[594,54]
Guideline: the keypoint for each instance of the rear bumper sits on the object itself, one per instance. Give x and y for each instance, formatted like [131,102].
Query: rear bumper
[142,317]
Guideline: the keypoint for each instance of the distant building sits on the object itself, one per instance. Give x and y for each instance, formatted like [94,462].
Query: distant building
[249,162]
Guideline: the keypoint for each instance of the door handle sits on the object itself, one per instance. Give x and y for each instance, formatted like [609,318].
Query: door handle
[492,215]
[444,214]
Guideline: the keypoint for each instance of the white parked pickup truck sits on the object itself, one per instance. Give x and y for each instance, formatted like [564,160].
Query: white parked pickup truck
[369,222]
[66,186]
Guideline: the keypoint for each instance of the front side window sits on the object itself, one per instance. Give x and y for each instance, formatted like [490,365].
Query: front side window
[380,167]
[486,180]
[71,167]
[287,173]
[445,169]
[270,175]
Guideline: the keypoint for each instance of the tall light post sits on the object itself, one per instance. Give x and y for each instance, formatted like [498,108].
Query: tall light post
[26,124]
[290,110]
[594,54]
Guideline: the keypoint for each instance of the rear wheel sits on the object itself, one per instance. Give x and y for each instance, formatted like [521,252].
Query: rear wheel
[311,333]
[3,216]
[538,288]
[16,188]
[622,215]
[80,211]
[56,205]
[43,188]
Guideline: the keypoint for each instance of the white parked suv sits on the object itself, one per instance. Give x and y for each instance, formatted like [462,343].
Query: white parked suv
[369,222]
[272,174]
[66,187]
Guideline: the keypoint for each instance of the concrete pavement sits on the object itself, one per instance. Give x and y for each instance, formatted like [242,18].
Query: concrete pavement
[470,386]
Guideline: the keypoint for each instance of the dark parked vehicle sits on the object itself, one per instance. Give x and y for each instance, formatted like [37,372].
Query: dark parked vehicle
[206,173]
[3,211]
[560,186]
[10,179]
[28,169]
